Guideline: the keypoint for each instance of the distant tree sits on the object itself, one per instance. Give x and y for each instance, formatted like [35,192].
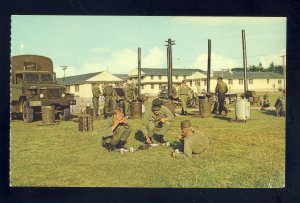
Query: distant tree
[237,69]
[271,67]
[278,69]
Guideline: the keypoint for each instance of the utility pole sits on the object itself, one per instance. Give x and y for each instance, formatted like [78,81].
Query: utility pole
[139,72]
[169,64]
[208,66]
[64,68]
[245,62]
[284,71]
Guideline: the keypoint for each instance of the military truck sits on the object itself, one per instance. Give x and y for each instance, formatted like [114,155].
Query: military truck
[33,85]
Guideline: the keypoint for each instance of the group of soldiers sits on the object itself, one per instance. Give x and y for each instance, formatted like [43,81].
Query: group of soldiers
[112,99]
[158,118]
[280,104]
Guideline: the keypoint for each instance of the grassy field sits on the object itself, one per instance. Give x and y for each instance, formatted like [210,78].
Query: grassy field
[250,154]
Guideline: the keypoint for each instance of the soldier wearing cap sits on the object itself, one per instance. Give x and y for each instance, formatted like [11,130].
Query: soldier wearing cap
[194,142]
[280,105]
[96,94]
[116,130]
[109,99]
[129,97]
[156,120]
[183,94]
[221,90]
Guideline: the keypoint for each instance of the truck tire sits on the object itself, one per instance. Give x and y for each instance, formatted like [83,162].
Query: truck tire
[65,115]
[27,112]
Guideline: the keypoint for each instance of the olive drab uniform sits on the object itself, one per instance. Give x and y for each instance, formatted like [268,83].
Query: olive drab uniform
[280,106]
[120,133]
[152,124]
[109,100]
[220,90]
[193,144]
[183,94]
[129,97]
[96,95]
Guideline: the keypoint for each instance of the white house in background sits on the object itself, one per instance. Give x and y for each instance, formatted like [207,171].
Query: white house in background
[81,85]
[153,78]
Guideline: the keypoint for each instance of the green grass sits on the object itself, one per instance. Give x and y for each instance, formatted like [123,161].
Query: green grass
[250,154]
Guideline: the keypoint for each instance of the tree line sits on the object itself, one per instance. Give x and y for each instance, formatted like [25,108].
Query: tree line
[259,68]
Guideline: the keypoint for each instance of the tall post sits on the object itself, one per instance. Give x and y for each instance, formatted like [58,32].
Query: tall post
[284,71]
[139,72]
[64,68]
[169,66]
[245,62]
[208,66]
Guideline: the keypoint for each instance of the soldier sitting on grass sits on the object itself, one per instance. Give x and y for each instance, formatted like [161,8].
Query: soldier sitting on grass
[156,120]
[280,105]
[116,131]
[265,103]
[194,142]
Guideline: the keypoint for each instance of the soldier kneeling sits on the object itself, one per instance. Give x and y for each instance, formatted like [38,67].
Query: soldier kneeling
[194,142]
[116,130]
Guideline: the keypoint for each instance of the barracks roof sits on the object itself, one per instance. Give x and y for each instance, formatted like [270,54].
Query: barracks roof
[250,75]
[76,79]
[175,71]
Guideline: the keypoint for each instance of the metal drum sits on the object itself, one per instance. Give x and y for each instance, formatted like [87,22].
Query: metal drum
[136,109]
[204,108]
[48,114]
[170,105]
[242,109]
[85,122]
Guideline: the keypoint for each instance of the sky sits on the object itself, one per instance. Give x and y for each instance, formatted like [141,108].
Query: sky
[88,44]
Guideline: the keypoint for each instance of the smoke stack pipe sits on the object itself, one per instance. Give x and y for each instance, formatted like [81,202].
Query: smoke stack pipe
[244,62]
[208,66]
[139,72]
[170,72]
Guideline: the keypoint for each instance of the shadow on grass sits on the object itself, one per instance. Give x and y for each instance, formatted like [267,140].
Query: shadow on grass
[224,118]
[139,136]
[272,113]
[176,145]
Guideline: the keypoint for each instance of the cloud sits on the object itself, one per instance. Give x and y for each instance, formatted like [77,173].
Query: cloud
[99,50]
[154,59]
[229,20]
[218,62]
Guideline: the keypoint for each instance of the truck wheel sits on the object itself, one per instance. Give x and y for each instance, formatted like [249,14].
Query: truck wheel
[27,112]
[65,115]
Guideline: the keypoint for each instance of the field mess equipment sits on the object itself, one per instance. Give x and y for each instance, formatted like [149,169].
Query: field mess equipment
[48,115]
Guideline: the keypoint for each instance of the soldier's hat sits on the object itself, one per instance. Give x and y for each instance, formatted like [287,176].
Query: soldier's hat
[219,78]
[184,81]
[185,124]
[156,104]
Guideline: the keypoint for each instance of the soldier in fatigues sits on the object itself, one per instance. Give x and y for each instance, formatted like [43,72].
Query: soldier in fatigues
[96,94]
[116,130]
[280,105]
[156,120]
[109,99]
[194,142]
[221,89]
[129,97]
[265,103]
[183,93]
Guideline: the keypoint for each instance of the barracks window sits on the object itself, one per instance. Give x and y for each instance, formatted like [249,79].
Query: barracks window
[151,77]
[241,81]
[250,81]
[230,81]
[77,88]
[152,86]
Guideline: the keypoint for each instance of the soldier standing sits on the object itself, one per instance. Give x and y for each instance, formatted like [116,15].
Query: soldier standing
[109,99]
[96,94]
[129,97]
[156,120]
[280,105]
[194,142]
[183,93]
[221,89]
[116,130]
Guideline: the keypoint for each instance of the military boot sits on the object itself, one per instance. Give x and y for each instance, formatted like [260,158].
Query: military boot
[161,139]
[186,113]
[110,147]
[121,144]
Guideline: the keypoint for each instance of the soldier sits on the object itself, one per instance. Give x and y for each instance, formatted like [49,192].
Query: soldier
[221,89]
[280,105]
[96,94]
[265,103]
[116,130]
[109,99]
[194,142]
[156,120]
[183,93]
[129,97]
